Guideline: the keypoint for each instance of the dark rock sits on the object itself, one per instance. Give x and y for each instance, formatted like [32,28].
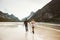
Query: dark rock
[49,13]
[5,17]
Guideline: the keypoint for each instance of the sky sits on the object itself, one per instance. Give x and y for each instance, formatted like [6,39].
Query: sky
[21,8]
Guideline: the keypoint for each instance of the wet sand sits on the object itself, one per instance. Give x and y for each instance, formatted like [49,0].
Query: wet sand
[17,32]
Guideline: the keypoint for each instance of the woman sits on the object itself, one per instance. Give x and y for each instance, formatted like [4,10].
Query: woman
[33,25]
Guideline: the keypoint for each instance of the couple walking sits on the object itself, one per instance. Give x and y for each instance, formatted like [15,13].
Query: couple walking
[32,24]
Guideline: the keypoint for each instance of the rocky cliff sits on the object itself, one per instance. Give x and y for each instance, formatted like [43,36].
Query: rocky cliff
[5,17]
[49,13]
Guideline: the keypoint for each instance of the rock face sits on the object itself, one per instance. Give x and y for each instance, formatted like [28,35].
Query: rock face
[5,17]
[49,13]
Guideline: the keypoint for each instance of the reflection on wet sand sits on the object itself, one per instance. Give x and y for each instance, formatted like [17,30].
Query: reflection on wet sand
[33,37]
[29,36]
[17,32]
[26,36]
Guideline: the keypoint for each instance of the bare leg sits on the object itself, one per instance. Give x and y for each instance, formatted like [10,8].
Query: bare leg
[33,30]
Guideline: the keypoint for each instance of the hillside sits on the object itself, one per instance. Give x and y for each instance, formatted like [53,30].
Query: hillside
[5,17]
[49,13]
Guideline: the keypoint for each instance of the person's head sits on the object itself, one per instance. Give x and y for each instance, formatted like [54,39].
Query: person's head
[32,19]
[25,19]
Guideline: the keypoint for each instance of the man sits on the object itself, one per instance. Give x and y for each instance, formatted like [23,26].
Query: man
[26,24]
